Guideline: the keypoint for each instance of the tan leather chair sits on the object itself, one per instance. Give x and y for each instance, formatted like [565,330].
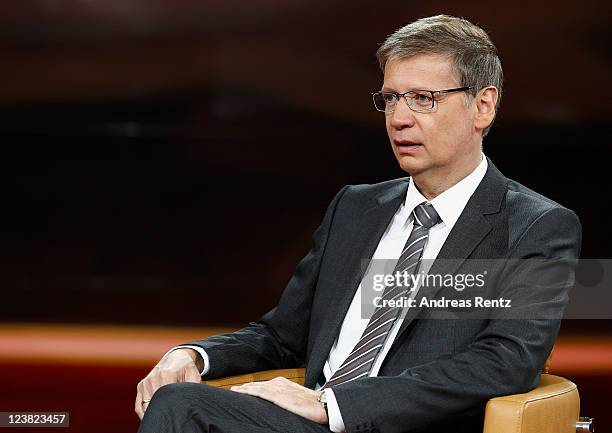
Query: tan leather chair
[552,407]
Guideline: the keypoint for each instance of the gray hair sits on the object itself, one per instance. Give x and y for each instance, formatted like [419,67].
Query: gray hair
[474,56]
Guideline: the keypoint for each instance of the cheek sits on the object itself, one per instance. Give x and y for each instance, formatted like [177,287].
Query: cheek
[441,135]
[451,130]
[388,126]
[447,125]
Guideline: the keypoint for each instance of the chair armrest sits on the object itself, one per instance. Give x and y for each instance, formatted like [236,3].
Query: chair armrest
[293,374]
[552,407]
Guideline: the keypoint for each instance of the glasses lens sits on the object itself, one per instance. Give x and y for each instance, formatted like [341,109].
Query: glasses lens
[379,101]
[385,101]
[420,101]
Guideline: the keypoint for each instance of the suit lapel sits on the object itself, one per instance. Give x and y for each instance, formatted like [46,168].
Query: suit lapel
[367,230]
[467,233]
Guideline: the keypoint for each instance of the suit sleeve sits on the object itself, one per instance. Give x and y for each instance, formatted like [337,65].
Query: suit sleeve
[279,339]
[505,358]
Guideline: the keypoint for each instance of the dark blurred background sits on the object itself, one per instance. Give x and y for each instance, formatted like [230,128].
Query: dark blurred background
[149,144]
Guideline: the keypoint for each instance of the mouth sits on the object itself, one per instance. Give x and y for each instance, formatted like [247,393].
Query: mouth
[407,146]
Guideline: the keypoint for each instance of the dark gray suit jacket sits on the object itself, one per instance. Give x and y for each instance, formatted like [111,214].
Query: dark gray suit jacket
[438,374]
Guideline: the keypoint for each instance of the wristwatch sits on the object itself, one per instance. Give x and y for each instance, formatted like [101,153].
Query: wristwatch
[322,398]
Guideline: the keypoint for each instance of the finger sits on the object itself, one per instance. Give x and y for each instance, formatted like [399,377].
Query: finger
[138,405]
[139,397]
[257,389]
[247,386]
[145,391]
[247,390]
[148,389]
[141,405]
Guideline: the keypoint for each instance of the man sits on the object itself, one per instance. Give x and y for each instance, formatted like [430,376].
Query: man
[395,369]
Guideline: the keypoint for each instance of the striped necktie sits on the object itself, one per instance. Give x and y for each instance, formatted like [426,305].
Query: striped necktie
[359,362]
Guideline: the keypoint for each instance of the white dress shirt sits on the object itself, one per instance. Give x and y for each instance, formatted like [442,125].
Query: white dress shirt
[449,205]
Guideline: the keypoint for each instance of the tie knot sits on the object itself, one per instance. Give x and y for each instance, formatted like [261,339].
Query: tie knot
[425,215]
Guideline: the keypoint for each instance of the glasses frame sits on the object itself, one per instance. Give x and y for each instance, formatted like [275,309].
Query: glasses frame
[403,96]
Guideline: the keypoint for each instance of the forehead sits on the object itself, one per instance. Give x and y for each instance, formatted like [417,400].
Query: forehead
[423,71]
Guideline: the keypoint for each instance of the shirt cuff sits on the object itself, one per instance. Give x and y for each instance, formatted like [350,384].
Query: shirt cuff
[336,424]
[198,349]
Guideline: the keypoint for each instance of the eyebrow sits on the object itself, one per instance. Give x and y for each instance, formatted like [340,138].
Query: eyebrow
[415,89]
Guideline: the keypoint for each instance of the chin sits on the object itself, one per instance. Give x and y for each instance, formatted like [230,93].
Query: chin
[410,165]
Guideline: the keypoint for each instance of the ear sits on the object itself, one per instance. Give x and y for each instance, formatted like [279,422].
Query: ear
[485,107]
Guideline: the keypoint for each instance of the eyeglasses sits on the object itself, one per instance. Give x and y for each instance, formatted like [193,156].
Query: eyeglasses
[421,101]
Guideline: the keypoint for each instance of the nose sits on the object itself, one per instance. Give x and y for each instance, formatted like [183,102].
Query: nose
[402,117]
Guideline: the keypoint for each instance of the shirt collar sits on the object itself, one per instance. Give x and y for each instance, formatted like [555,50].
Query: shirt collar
[451,202]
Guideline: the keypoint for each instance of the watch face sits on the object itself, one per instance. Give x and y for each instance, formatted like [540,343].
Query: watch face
[322,397]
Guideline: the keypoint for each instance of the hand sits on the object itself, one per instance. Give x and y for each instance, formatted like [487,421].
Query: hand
[288,395]
[180,365]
